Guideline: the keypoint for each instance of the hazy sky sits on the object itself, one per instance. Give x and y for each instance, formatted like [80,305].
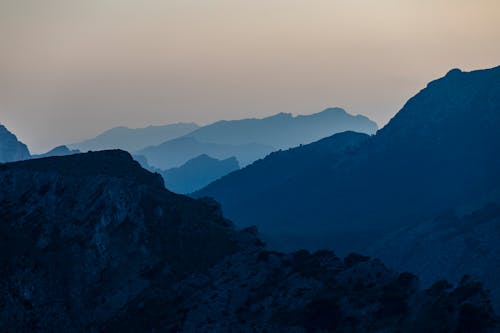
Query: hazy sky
[70,69]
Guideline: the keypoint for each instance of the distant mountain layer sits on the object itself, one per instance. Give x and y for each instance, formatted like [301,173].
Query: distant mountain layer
[176,152]
[57,151]
[197,173]
[94,243]
[283,130]
[132,139]
[11,149]
[440,150]
[251,139]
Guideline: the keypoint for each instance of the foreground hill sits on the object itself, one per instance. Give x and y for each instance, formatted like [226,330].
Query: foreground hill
[440,150]
[197,173]
[132,139]
[11,149]
[94,243]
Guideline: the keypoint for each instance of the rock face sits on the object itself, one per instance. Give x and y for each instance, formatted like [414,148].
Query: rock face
[440,151]
[10,148]
[82,235]
[94,243]
[198,173]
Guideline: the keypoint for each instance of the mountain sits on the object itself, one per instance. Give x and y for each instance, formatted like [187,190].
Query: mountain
[284,130]
[197,173]
[441,150]
[94,243]
[82,235]
[57,151]
[132,139]
[11,149]
[176,152]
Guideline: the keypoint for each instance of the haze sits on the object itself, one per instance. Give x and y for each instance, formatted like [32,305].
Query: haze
[71,69]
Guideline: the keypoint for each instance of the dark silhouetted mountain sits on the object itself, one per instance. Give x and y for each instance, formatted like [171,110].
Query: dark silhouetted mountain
[132,139]
[441,150]
[176,152]
[82,235]
[94,243]
[57,151]
[10,148]
[197,173]
[284,130]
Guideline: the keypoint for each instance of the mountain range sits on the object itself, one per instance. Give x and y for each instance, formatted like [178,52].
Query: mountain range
[93,242]
[133,139]
[440,153]
[175,153]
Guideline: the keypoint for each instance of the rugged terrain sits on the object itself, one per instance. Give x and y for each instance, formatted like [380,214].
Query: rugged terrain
[93,242]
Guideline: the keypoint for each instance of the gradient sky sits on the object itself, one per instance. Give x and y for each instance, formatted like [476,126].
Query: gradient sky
[70,69]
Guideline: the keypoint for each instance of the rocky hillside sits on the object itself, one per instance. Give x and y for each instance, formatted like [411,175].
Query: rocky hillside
[11,149]
[94,243]
[82,235]
[439,152]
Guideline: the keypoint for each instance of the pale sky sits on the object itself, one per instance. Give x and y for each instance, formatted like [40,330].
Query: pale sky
[70,69]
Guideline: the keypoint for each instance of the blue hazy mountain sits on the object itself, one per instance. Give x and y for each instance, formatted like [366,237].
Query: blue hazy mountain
[58,151]
[176,152]
[11,149]
[284,130]
[94,243]
[442,149]
[197,173]
[132,139]
[251,139]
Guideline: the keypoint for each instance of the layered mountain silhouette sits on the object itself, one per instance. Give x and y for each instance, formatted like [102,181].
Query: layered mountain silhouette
[57,151]
[284,130]
[197,173]
[176,152]
[441,150]
[94,243]
[133,139]
[11,149]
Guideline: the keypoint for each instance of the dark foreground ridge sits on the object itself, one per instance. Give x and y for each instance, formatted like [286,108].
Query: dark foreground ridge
[94,243]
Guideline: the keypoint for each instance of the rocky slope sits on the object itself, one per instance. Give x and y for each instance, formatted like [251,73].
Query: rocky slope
[82,235]
[94,243]
[11,149]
